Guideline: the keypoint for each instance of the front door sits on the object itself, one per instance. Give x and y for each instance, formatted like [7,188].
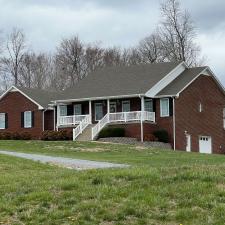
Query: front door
[112,107]
[98,111]
[188,142]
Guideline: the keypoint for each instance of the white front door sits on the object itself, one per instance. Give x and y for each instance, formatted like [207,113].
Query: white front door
[188,142]
[205,144]
[98,111]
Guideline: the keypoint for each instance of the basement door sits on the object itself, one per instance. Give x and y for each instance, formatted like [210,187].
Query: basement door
[205,144]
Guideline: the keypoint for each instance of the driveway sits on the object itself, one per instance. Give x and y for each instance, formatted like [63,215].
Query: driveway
[77,164]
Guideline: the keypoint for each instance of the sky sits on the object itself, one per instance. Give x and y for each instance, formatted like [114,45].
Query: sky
[112,22]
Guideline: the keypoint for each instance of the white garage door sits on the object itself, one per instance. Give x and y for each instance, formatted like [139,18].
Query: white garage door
[205,144]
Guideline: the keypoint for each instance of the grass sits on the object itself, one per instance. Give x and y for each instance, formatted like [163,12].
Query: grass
[161,187]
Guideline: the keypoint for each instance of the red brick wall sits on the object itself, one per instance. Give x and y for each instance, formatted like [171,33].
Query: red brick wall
[209,122]
[14,103]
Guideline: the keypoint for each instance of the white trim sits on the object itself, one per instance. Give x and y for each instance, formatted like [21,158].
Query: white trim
[90,111]
[14,89]
[96,98]
[167,115]
[160,85]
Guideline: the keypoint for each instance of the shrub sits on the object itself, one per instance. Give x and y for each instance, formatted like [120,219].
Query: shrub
[161,135]
[112,132]
[61,135]
[15,136]
[150,137]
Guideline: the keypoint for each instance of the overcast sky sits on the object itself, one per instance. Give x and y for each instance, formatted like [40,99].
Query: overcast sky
[113,22]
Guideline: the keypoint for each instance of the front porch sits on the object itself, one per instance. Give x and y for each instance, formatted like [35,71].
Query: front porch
[80,115]
[119,110]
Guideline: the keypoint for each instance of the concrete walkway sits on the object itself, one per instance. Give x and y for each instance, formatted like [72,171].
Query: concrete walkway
[77,164]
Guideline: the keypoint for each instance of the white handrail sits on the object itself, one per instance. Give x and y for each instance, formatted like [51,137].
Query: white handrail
[70,120]
[82,125]
[122,117]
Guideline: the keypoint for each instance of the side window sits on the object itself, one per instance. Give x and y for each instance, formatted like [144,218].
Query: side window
[2,121]
[27,119]
[164,107]
[200,107]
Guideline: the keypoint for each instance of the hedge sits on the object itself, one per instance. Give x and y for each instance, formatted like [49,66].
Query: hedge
[111,132]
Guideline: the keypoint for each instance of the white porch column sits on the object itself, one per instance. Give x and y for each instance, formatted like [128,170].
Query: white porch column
[108,106]
[142,110]
[90,111]
[58,115]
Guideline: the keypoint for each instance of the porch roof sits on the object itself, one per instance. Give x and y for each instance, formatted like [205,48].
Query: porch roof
[119,81]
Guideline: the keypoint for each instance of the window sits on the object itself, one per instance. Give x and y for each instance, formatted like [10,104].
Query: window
[63,110]
[77,109]
[27,119]
[126,106]
[224,118]
[2,120]
[164,107]
[148,105]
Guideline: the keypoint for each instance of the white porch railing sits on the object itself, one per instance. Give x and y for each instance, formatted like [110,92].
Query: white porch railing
[122,117]
[82,125]
[70,120]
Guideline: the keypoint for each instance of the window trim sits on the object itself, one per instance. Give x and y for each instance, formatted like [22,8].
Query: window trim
[3,128]
[125,101]
[29,125]
[168,107]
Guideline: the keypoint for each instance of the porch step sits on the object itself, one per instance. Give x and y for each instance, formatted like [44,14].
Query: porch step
[86,134]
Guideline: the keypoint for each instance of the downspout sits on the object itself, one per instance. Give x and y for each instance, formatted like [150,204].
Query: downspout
[54,118]
[142,109]
[174,125]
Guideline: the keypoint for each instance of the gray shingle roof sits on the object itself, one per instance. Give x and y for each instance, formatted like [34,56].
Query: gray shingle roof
[121,80]
[42,97]
[181,81]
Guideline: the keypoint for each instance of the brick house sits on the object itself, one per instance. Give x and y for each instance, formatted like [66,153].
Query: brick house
[188,102]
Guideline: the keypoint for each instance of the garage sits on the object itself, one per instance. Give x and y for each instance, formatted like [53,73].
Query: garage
[205,144]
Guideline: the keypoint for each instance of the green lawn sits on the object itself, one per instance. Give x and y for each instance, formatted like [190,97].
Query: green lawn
[161,187]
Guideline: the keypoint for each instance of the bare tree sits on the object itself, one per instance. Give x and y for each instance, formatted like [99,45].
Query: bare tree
[70,59]
[15,50]
[150,49]
[177,33]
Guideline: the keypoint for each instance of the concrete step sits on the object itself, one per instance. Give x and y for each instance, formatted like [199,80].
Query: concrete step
[86,134]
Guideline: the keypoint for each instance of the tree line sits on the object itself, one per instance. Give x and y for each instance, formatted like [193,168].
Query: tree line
[172,40]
